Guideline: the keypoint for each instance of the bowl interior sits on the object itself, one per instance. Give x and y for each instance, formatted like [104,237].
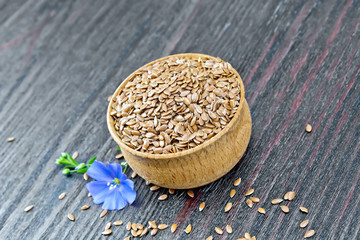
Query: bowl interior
[123,146]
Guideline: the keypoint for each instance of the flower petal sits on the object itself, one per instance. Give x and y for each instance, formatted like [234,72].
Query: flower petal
[99,172]
[116,170]
[129,183]
[127,192]
[114,201]
[99,191]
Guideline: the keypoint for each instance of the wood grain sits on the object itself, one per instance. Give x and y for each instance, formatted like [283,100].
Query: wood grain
[60,60]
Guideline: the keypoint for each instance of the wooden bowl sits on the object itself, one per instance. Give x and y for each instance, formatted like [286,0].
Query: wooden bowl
[194,167]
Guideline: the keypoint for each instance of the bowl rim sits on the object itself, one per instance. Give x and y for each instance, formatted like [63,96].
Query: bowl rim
[123,146]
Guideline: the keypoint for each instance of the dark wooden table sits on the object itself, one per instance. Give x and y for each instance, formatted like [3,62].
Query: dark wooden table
[300,63]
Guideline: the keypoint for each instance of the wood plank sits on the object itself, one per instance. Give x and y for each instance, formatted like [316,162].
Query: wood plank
[300,64]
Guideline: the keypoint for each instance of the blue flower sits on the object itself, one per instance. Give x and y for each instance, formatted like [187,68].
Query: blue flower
[112,188]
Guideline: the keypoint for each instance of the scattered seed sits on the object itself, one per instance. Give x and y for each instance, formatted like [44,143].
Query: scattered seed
[247,236]
[108,225]
[219,231]
[89,195]
[120,155]
[249,203]
[127,238]
[134,226]
[75,155]
[128,226]
[147,182]
[171,191]
[103,213]
[255,199]
[152,224]
[144,232]
[232,193]
[163,197]
[118,223]
[241,238]
[228,206]
[61,196]
[139,232]
[28,208]
[173,227]
[162,226]
[248,193]
[154,188]
[308,128]
[10,139]
[261,210]
[109,98]
[309,233]
[106,232]
[133,175]
[228,229]
[85,207]
[253,238]
[154,231]
[209,238]
[237,182]
[139,226]
[201,206]
[71,217]
[190,193]
[134,232]
[86,177]
[304,209]
[276,201]
[284,208]
[289,196]
[188,229]
[304,223]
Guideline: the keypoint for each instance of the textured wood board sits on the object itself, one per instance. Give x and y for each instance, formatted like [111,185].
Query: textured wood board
[59,61]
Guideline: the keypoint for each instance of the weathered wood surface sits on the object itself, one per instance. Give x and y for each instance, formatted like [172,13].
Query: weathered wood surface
[60,60]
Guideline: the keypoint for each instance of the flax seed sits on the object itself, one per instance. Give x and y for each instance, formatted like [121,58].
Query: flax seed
[108,225]
[188,229]
[109,98]
[71,217]
[253,238]
[249,203]
[152,224]
[173,227]
[228,206]
[248,193]
[219,231]
[163,197]
[247,236]
[134,232]
[304,210]
[118,156]
[284,208]
[106,232]
[309,233]
[154,188]
[289,196]
[133,175]
[28,208]
[89,195]
[85,207]
[103,213]
[209,238]
[261,210]
[276,201]
[304,223]
[10,139]
[118,223]
[61,196]
[201,206]
[190,193]
[228,229]
[154,231]
[232,193]
[86,177]
[162,226]
[171,191]
[237,182]
[308,128]
[134,226]
[128,226]
[255,199]
[144,232]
